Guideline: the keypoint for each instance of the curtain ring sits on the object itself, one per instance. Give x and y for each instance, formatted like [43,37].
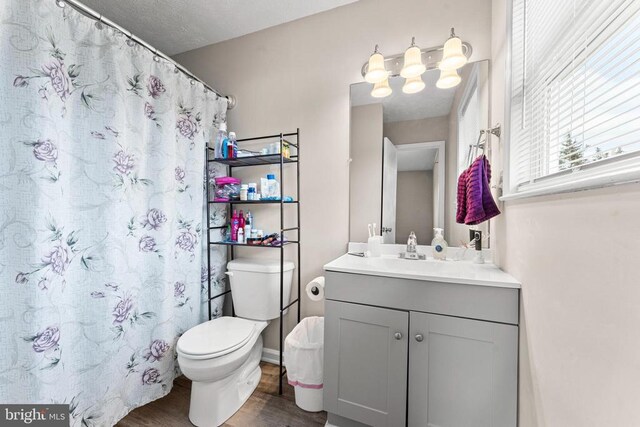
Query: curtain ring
[130,41]
[155,56]
[99,23]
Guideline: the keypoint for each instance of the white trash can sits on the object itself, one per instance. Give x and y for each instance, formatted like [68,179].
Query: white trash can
[303,354]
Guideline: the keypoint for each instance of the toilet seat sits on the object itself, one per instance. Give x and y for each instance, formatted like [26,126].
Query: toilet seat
[216,337]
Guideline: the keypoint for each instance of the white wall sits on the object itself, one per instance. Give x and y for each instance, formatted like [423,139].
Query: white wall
[576,255]
[298,75]
[414,206]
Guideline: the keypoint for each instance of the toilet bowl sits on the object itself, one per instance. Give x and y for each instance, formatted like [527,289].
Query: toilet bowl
[221,357]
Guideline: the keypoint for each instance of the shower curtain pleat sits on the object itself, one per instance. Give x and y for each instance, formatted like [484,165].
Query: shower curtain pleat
[102,226]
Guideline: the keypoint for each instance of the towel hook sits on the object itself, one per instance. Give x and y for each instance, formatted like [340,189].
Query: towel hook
[496,130]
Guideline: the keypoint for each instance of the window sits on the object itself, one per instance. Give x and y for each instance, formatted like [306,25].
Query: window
[575,95]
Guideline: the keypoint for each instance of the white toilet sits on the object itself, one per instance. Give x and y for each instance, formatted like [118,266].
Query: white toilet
[222,356]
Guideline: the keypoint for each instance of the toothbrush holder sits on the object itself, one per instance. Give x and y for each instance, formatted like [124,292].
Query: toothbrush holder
[374,246]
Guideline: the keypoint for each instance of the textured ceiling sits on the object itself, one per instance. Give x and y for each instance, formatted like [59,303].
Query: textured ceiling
[176,26]
[399,106]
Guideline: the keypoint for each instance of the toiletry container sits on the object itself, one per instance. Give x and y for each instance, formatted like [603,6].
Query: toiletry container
[244,192]
[221,135]
[235,223]
[253,190]
[264,188]
[374,246]
[439,245]
[232,146]
[273,186]
[241,220]
[247,226]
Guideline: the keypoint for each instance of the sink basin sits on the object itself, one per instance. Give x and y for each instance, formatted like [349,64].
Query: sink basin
[463,272]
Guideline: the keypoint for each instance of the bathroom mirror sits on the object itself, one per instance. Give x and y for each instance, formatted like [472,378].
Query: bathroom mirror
[407,151]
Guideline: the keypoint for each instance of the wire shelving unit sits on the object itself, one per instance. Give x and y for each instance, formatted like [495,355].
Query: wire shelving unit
[261,160]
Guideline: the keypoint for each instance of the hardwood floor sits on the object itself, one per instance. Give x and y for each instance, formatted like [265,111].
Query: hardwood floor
[263,409]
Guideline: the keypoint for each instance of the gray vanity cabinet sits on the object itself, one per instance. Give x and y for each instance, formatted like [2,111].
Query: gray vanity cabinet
[461,372]
[366,349]
[404,352]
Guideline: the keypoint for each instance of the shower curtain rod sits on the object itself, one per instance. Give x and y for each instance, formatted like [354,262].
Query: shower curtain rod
[87,11]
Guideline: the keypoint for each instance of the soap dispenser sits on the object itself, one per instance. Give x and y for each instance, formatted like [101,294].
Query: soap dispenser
[439,245]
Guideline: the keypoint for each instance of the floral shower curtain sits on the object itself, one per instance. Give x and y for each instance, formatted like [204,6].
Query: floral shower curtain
[102,262]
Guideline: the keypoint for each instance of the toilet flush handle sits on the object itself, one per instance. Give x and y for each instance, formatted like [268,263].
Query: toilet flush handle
[229,273]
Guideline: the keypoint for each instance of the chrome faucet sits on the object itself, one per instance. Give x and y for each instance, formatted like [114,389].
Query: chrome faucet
[412,242]
[412,252]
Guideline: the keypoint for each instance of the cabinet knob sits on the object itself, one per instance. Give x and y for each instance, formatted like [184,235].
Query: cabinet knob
[397,336]
[419,337]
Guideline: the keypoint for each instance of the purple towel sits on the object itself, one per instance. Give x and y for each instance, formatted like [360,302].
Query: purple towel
[476,204]
[461,212]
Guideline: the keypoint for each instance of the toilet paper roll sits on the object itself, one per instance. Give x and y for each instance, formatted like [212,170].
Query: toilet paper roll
[315,289]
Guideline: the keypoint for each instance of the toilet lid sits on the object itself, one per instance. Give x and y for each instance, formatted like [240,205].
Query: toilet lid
[216,337]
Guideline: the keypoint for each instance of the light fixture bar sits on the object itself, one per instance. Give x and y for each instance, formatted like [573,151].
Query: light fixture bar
[430,58]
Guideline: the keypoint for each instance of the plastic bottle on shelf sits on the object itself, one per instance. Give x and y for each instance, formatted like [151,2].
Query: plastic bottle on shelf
[240,235]
[221,135]
[235,223]
[224,148]
[247,226]
[241,221]
[273,187]
[232,146]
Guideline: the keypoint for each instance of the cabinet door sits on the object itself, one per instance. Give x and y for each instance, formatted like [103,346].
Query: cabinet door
[365,362]
[462,373]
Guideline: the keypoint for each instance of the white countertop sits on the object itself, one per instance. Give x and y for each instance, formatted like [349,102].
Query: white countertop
[449,271]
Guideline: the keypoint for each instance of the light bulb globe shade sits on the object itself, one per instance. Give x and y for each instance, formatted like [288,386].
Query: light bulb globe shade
[448,79]
[375,70]
[452,55]
[413,65]
[413,85]
[381,89]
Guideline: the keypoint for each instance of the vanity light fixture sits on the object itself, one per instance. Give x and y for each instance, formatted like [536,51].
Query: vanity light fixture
[413,85]
[381,89]
[448,79]
[376,72]
[413,65]
[452,56]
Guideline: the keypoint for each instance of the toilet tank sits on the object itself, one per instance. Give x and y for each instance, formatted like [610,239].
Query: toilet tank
[255,287]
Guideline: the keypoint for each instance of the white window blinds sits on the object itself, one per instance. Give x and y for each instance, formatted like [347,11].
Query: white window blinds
[575,95]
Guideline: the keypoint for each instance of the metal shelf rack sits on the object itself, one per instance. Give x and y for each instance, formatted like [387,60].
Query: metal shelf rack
[261,160]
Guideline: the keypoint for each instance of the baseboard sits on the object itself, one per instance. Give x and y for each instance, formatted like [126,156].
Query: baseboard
[270,355]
